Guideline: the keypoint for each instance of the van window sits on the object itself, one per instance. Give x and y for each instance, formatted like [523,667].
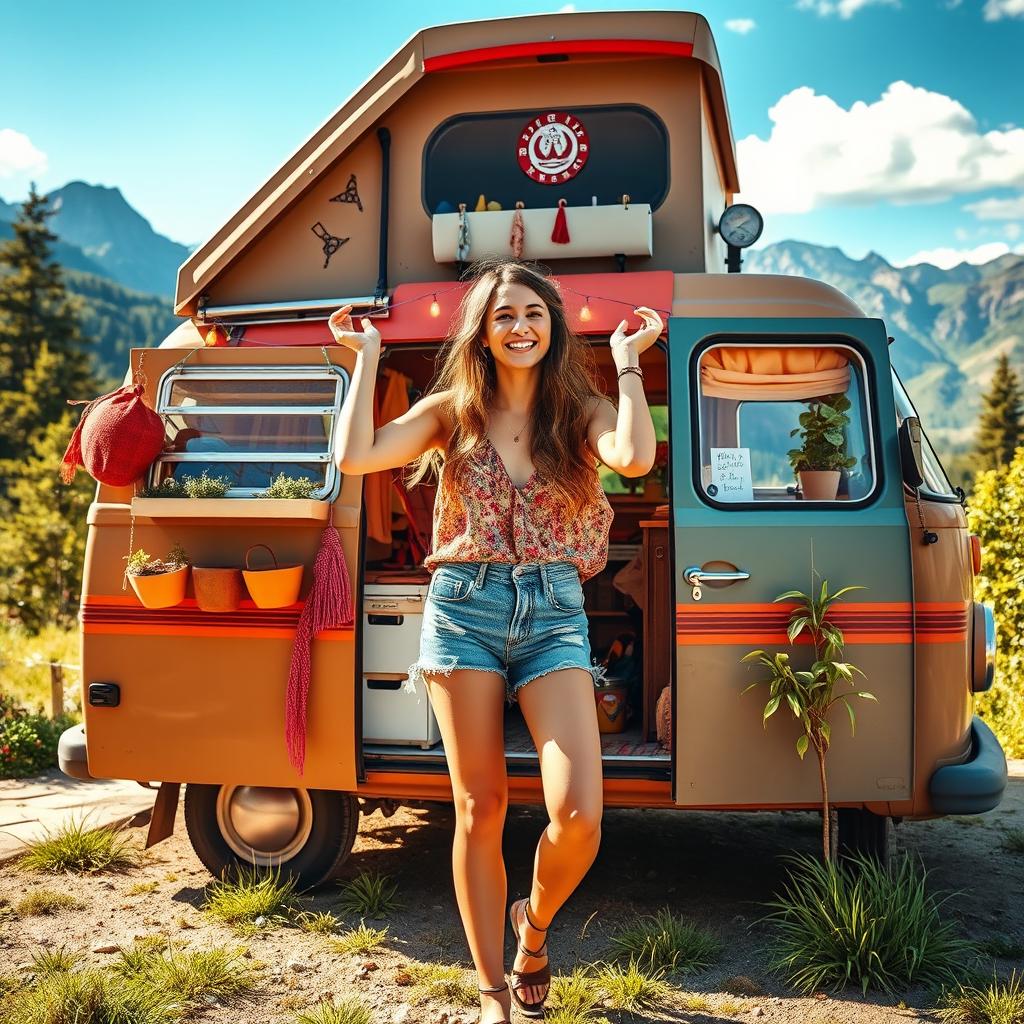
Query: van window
[935,479]
[768,411]
[250,425]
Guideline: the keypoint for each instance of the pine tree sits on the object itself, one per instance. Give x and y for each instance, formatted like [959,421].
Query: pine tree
[44,359]
[39,329]
[1000,426]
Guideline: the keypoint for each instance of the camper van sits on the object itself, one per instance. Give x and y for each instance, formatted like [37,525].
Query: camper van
[608,134]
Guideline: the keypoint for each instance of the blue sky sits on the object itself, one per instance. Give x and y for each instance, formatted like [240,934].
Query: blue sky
[916,152]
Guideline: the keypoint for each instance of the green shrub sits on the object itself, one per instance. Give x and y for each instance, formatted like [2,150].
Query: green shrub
[858,923]
[995,513]
[28,740]
[369,894]
[667,941]
[73,847]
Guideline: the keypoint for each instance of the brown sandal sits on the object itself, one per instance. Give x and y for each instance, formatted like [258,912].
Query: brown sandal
[498,988]
[524,979]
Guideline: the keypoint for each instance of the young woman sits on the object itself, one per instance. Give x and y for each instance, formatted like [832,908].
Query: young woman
[513,423]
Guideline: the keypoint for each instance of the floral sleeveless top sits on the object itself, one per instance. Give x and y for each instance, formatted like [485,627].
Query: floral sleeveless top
[489,519]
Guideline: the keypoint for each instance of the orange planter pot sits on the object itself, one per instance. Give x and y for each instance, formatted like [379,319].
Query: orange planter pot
[163,590]
[217,590]
[272,588]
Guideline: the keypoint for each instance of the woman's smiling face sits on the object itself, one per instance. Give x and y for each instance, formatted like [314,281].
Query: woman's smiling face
[517,328]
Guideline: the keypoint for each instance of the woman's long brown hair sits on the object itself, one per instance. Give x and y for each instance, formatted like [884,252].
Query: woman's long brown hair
[559,417]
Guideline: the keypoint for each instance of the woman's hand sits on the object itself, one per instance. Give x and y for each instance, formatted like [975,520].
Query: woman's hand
[623,344]
[344,332]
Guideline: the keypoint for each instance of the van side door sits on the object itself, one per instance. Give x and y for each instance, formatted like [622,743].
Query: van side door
[746,530]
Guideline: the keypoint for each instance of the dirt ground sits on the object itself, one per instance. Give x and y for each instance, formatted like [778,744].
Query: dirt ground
[714,868]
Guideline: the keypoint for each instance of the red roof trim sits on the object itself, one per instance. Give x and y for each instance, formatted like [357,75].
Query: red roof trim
[636,47]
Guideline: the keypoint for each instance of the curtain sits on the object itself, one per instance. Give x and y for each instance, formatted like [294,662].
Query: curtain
[761,373]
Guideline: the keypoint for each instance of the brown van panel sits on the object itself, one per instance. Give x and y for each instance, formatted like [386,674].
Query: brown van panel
[202,695]
[411,102]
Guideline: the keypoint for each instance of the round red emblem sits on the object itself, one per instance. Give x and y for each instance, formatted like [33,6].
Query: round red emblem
[553,148]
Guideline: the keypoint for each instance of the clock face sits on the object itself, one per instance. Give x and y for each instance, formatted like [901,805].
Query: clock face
[741,225]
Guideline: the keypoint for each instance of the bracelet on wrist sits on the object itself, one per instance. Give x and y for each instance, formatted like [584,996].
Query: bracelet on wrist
[631,369]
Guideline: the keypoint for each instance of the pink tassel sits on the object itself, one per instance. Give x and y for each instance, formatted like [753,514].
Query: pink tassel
[328,605]
[560,233]
[518,232]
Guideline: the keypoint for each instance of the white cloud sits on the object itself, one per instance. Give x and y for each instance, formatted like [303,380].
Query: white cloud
[18,155]
[566,9]
[909,146]
[997,209]
[741,25]
[847,8]
[997,9]
[1012,231]
[946,258]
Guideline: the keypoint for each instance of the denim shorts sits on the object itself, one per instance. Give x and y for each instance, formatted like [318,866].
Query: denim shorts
[520,621]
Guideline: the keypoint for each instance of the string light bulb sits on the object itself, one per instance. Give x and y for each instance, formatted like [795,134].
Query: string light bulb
[435,307]
[585,315]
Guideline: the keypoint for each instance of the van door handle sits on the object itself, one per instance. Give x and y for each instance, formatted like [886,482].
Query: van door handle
[695,576]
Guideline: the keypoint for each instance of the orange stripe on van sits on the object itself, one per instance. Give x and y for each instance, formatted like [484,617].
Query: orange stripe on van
[863,623]
[126,616]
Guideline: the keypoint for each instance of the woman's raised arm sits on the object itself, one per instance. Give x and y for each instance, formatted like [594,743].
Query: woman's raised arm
[358,448]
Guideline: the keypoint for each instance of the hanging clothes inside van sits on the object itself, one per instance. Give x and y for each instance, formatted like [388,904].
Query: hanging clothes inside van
[379,496]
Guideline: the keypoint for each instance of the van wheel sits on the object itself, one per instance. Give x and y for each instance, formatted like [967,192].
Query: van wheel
[306,833]
[863,832]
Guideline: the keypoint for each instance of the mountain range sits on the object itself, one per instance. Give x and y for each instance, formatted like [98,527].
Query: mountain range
[949,325]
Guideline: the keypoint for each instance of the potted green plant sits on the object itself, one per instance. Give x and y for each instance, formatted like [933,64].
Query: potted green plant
[810,693]
[158,582]
[821,457]
[188,486]
[283,486]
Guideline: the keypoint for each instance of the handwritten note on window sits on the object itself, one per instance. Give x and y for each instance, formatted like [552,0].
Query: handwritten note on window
[730,475]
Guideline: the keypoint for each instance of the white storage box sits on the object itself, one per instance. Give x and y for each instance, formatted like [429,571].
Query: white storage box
[392,620]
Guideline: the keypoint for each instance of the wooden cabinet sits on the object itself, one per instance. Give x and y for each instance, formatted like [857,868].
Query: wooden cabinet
[659,618]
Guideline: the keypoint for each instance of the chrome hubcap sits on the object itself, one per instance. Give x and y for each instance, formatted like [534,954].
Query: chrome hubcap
[264,825]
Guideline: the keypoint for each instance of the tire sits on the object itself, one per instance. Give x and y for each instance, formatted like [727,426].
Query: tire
[305,833]
[862,832]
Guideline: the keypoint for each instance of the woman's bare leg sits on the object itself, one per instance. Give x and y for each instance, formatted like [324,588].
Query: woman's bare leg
[469,706]
[561,714]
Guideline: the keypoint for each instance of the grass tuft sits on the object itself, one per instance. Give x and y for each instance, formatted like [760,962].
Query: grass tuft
[246,893]
[446,982]
[667,941]
[348,1011]
[53,961]
[632,988]
[189,976]
[574,999]
[369,894]
[74,848]
[858,923]
[87,997]
[995,1003]
[361,940]
[46,901]
[1013,840]
[322,922]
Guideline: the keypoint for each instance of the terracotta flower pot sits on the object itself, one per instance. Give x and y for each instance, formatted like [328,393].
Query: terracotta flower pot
[819,484]
[162,590]
[272,588]
[217,589]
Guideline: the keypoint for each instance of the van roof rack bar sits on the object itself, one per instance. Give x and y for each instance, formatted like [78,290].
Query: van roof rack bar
[296,309]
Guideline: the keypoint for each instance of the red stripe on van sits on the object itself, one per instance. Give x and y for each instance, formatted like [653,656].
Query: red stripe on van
[580,47]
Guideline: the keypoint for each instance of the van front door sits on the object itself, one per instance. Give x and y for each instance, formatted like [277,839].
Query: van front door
[198,691]
[750,398]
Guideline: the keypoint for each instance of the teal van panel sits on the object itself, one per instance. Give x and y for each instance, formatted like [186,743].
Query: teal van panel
[723,755]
